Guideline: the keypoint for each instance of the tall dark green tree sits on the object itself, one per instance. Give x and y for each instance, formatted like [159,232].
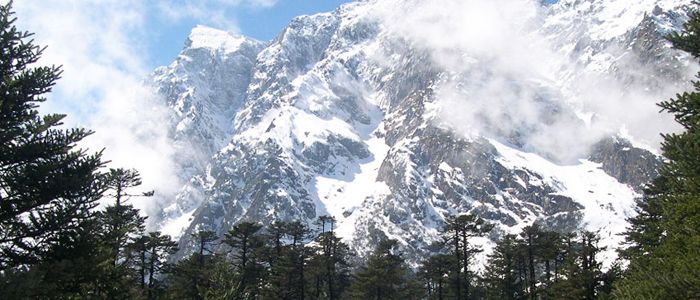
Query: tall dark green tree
[502,280]
[664,240]
[191,277]
[288,274]
[121,221]
[566,284]
[549,247]
[458,232]
[150,254]
[531,236]
[385,276]
[329,268]
[121,224]
[434,272]
[47,185]
[591,274]
[245,241]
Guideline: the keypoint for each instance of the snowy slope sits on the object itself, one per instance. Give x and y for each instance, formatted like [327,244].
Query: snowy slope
[389,130]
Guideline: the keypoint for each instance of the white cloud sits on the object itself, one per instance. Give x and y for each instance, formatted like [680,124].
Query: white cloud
[102,47]
[215,13]
[506,77]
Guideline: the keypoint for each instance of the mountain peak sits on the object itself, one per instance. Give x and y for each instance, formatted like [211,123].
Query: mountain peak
[216,39]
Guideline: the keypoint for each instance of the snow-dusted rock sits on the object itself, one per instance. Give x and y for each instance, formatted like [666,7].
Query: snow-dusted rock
[340,115]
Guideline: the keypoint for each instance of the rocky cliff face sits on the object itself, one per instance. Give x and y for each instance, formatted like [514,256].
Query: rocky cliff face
[339,115]
[204,87]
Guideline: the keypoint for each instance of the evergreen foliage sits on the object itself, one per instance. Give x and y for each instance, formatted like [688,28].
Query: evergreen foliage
[502,279]
[664,240]
[245,240]
[121,225]
[151,252]
[434,273]
[329,268]
[385,276]
[47,186]
[457,234]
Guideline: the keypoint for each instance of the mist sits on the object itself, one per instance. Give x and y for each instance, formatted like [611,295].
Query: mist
[511,73]
[100,47]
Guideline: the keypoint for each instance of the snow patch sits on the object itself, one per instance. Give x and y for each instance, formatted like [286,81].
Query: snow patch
[175,227]
[607,202]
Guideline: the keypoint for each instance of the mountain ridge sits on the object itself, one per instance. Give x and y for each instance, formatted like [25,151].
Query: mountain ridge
[339,115]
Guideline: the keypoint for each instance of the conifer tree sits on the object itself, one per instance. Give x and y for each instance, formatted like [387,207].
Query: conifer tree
[245,241]
[549,243]
[591,274]
[152,251]
[531,237]
[329,269]
[47,186]
[457,233]
[567,285]
[434,272]
[274,236]
[191,277]
[121,224]
[385,276]
[664,240]
[287,278]
[68,271]
[121,221]
[501,278]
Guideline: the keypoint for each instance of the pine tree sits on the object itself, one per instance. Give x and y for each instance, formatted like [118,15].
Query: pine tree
[549,245]
[501,278]
[434,272]
[329,269]
[591,274]
[152,251]
[66,272]
[245,241]
[121,225]
[191,277]
[47,186]
[567,284]
[122,222]
[664,250]
[274,235]
[457,233]
[385,276]
[287,278]
[531,236]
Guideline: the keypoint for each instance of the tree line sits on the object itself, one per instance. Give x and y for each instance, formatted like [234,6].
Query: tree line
[56,242]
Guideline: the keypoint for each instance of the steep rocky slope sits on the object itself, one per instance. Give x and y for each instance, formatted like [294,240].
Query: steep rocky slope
[343,114]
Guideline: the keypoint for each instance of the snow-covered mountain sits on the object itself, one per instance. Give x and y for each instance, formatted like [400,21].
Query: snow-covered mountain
[390,115]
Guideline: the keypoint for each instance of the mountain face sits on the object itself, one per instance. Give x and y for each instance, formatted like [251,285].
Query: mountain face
[345,114]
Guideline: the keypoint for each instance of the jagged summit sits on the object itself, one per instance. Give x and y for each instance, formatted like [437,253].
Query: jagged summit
[226,42]
[387,116]
[608,19]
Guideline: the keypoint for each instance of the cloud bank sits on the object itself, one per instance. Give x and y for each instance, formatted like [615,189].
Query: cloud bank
[102,47]
[511,75]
